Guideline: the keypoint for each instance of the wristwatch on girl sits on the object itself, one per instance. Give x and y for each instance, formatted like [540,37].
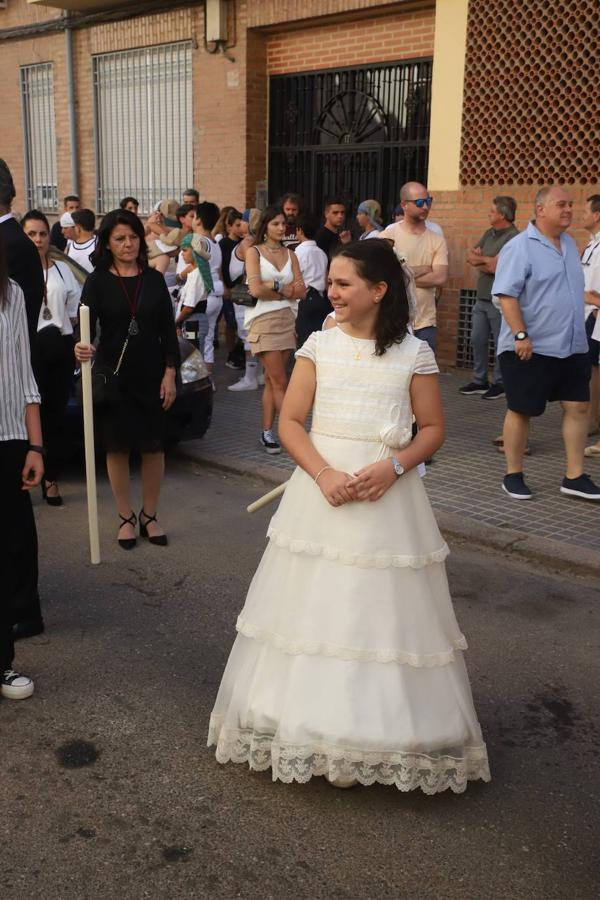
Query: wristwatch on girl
[398,467]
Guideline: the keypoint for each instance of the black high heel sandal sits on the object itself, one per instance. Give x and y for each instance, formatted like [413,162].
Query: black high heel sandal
[127,543]
[160,539]
[51,501]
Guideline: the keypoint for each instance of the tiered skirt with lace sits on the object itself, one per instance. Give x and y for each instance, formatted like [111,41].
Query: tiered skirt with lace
[348,659]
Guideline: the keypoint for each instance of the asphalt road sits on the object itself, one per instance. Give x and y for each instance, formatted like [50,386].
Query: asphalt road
[108,791]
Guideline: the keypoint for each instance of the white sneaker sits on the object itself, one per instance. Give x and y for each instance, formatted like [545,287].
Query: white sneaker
[260,379]
[14,686]
[244,384]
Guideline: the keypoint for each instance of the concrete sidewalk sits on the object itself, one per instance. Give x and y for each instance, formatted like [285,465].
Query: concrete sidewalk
[463,483]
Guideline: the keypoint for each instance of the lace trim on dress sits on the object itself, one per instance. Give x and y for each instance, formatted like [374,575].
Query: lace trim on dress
[323,648]
[430,772]
[362,560]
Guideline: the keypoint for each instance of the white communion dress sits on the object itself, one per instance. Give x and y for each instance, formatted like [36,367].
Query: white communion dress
[348,659]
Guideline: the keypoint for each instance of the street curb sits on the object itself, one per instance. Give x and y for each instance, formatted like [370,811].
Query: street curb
[543,551]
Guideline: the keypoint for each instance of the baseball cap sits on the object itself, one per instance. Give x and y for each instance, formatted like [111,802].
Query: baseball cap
[66,220]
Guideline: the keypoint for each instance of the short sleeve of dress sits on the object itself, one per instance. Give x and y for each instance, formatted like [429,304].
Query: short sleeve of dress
[308,350]
[425,363]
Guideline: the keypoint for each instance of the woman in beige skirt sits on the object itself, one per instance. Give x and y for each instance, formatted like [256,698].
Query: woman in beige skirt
[274,279]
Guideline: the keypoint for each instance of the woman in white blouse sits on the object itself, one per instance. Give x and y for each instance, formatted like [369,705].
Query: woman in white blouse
[21,468]
[54,351]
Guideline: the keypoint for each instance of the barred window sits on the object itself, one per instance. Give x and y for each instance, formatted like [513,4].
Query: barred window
[37,96]
[143,124]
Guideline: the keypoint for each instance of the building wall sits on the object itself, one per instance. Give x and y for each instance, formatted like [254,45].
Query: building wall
[398,35]
[269,37]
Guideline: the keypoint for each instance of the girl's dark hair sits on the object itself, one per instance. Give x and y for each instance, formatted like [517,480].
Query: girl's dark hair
[268,214]
[102,257]
[375,261]
[3,274]
[37,216]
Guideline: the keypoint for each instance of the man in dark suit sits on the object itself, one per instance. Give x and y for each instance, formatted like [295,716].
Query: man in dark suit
[24,264]
[25,268]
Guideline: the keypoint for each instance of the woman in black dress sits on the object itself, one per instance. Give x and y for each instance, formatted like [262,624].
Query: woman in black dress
[132,306]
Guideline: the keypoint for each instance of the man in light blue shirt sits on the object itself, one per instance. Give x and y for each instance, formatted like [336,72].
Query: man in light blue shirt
[542,347]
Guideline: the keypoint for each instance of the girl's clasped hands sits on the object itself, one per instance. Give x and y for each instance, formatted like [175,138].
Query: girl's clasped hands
[369,483]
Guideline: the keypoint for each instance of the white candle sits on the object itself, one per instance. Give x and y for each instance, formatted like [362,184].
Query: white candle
[88,433]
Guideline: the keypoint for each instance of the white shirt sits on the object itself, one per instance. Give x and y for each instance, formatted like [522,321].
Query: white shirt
[17,383]
[313,264]
[215,262]
[81,252]
[236,266]
[370,234]
[590,262]
[192,293]
[6,217]
[62,294]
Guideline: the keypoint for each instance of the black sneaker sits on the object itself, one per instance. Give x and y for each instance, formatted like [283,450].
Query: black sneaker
[514,485]
[268,441]
[474,388]
[15,686]
[234,364]
[494,392]
[580,487]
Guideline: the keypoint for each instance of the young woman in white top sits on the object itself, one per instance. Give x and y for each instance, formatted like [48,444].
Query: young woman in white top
[275,280]
[55,361]
[21,469]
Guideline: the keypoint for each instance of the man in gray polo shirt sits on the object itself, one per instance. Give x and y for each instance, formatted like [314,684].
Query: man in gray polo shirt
[486,318]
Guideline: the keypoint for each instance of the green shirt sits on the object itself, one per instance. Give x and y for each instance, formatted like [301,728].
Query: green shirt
[491,244]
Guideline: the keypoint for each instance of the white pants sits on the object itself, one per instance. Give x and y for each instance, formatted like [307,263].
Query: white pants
[240,315]
[214,305]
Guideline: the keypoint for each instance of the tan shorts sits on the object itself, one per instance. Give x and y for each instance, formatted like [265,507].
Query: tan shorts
[272,331]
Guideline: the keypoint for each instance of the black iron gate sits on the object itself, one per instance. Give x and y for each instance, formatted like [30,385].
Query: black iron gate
[354,133]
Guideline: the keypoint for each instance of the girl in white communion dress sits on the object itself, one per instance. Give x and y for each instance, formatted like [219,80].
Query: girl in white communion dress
[348,660]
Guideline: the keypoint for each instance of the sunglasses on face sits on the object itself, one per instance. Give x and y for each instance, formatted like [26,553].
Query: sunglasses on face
[425,201]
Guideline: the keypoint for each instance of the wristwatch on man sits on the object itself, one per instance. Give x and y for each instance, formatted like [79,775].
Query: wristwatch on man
[521,335]
[398,467]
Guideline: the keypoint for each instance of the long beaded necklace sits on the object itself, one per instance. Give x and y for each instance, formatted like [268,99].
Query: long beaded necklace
[46,312]
[134,328]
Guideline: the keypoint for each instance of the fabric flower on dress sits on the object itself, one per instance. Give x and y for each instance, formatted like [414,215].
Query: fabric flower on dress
[396,433]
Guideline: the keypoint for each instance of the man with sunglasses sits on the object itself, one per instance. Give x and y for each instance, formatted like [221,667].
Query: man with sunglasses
[425,252]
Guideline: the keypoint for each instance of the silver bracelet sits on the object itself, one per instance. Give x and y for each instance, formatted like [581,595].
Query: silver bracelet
[320,472]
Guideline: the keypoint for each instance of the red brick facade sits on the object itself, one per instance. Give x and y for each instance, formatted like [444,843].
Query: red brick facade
[230,98]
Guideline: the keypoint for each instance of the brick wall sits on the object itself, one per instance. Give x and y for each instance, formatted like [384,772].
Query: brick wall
[403,35]
[275,12]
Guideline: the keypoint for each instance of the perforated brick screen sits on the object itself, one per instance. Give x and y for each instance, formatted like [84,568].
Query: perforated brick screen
[531,111]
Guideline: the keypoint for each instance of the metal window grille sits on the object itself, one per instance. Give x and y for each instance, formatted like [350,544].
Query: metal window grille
[464,350]
[143,124]
[37,97]
[353,133]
